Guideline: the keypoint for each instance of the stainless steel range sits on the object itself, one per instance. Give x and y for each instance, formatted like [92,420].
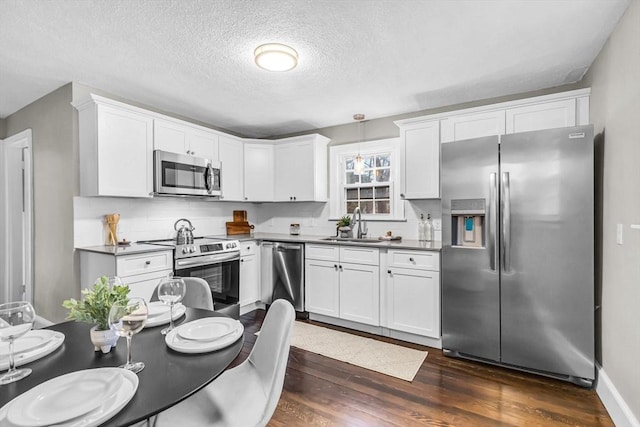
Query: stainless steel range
[215,260]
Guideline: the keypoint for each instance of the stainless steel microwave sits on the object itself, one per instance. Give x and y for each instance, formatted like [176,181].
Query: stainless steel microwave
[180,174]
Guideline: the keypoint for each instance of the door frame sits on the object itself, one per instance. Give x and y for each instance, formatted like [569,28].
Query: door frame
[22,140]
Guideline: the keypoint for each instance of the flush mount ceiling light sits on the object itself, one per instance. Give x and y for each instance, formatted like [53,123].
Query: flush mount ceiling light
[275,57]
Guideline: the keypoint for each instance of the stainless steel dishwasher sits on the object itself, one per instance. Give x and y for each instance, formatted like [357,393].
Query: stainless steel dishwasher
[283,273]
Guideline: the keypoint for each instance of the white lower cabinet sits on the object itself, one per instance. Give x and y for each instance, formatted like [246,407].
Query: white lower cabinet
[345,290]
[249,274]
[141,271]
[322,287]
[360,293]
[413,292]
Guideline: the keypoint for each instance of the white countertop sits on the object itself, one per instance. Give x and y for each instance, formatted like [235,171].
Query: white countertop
[307,238]
[133,248]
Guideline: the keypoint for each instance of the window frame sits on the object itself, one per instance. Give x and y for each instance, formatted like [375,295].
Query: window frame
[337,184]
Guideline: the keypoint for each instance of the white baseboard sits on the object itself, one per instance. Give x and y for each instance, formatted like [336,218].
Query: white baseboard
[618,409]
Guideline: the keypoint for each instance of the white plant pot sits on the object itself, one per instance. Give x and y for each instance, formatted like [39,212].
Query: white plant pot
[345,232]
[103,340]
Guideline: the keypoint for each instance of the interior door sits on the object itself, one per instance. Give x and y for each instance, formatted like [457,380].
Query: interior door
[470,278]
[16,218]
[548,273]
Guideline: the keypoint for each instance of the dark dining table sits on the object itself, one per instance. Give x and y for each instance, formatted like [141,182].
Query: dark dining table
[168,377]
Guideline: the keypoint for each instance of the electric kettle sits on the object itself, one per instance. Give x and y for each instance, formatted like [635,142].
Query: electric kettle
[185,234]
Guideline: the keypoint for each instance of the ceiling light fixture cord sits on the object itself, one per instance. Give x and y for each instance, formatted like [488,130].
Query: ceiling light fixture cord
[358,167]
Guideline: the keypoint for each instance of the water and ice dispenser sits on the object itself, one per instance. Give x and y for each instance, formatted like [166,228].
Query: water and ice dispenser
[467,222]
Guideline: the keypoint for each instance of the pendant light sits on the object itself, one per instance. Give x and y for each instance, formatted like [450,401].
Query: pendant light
[358,168]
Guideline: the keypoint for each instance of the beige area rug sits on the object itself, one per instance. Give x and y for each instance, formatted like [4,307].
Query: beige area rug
[389,359]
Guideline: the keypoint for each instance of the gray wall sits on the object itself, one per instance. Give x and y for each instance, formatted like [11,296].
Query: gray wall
[55,170]
[615,113]
[3,128]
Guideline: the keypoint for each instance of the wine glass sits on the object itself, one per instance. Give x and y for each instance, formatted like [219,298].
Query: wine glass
[127,319]
[170,291]
[16,319]
[112,281]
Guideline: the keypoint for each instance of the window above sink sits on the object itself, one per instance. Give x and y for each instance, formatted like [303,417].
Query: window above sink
[376,190]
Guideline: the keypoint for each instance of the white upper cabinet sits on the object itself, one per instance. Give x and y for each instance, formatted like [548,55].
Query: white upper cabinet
[182,138]
[259,172]
[467,126]
[422,164]
[548,115]
[421,145]
[116,150]
[231,152]
[301,168]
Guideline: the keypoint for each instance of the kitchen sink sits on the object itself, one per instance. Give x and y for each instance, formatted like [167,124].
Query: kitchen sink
[351,239]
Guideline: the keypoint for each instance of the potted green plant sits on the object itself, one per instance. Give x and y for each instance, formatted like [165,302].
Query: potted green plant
[94,308]
[344,226]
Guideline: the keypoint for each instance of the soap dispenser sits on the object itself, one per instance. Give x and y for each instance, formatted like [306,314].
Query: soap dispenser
[428,229]
[422,229]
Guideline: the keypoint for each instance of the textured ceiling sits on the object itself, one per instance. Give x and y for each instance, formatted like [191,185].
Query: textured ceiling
[377,57]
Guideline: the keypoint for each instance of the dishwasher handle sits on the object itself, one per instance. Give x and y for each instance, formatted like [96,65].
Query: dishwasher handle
[281,247]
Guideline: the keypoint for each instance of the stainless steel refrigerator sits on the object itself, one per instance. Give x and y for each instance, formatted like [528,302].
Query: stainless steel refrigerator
[518,251]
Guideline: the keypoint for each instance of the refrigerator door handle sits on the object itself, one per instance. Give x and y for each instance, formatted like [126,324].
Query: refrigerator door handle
[506,222]
[491,219]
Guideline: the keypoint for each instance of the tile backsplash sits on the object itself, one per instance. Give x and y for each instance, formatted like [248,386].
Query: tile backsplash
[145,219]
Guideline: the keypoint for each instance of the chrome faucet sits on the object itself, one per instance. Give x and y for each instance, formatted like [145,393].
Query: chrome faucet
[362,229]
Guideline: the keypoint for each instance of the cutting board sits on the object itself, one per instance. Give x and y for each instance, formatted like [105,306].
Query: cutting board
[239,227]
[239,216]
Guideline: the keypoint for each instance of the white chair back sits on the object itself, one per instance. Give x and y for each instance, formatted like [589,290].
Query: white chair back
[247,395]
[270,353]
[198,294]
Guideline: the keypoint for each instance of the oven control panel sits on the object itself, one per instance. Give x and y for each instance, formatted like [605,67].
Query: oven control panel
[204,246]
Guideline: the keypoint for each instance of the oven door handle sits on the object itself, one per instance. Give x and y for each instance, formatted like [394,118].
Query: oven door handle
[206,260]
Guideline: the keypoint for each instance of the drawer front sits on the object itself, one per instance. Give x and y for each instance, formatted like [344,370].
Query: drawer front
[322,252]
[144,263]
[143,285]
[359,255]
[414,259]
[248,248]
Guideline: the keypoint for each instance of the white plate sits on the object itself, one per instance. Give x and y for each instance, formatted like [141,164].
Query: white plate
[182,345]
[113,400]
[178,311]
[55,340]
[48,403]
[158,308]
[208,328]
[28,341]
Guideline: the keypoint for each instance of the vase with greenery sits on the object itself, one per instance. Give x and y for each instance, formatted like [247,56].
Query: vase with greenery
[94,308]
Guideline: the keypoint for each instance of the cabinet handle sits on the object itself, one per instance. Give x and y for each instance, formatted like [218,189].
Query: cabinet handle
[290,197]
[241,259]
[389,271]
[147,262]
[294,198]
[193,153]
[340,267]
[335,266]
[411,259]
[246,198]
[402,195]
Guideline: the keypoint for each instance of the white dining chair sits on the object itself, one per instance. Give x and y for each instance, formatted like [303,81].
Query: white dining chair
[198,294]
[247,395]
[41,322]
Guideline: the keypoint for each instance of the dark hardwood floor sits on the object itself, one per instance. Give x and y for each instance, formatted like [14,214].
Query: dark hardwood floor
[319,391]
